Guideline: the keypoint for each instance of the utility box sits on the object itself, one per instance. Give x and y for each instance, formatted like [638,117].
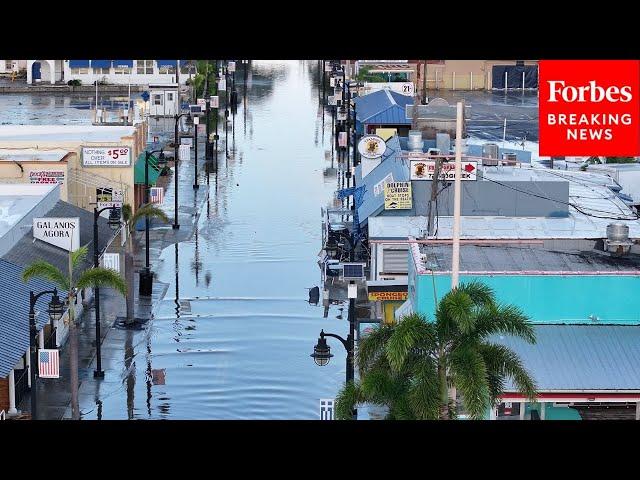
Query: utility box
[164,100]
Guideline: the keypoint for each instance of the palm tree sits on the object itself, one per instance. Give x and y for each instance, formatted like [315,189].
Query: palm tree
[145,210]
[414,367]
[92,278]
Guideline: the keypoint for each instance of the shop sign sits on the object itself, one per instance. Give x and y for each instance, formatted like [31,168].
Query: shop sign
[106,156]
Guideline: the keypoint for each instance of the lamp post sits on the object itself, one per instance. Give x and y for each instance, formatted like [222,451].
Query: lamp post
[322,355]
[175,160]
[196,122]
[114,224]
[55,312]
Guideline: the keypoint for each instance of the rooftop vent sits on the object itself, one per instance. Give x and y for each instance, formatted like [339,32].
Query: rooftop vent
[415,141]
[490,154]
[617,242]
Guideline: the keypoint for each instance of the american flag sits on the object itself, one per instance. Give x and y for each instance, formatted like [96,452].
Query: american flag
[156,195]
[48,363]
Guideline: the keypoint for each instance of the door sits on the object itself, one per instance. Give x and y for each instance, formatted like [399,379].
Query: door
[157,105]
[170,103]
[36,75]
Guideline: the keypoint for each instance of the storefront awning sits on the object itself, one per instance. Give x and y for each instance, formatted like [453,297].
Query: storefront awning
[154,170]
[166,63]
[123,63]
[101,63]
[78,63]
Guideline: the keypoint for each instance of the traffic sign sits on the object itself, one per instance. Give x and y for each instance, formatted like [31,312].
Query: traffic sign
[424,170]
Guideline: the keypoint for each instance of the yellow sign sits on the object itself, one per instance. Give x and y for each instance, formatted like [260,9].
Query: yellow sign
[397,196]
[386,133]
[387,296]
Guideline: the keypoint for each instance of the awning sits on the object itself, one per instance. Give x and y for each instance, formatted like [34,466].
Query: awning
[101,63]
[78,63]
[166,63]
[123,63]
[154,170]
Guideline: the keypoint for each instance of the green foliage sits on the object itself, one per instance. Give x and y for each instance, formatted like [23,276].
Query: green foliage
[74,83]
[100,278]
[410,366]
[148,210]
[621,159]
[46,271]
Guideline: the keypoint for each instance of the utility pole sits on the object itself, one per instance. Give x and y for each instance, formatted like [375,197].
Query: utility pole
[455,262]
[424,84]
[434,194]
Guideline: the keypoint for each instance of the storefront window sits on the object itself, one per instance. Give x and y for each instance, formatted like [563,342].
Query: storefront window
[167,70]
[122,70]
[79,71]
[101,71]
[144,67]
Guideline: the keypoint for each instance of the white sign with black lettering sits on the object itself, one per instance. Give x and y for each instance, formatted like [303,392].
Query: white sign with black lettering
[214,101]
[106,156]
[424,170]
[184,153]
[327,408]
[61,232]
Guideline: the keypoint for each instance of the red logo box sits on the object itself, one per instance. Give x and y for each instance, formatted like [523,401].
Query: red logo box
[589,107]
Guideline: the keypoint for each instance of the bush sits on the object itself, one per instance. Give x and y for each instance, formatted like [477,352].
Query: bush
[74,83]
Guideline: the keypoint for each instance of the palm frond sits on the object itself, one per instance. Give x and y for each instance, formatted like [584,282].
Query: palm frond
[480,293]
[372,346]
[423,394]
[507,319]
[46,271]
[126,212]
[151,211]
[102,277]
[412,332]
[459,308]
[469,375]
[79,256]
[504,362]
[347,399]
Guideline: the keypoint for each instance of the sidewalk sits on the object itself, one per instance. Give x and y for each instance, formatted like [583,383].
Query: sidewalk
[54,395]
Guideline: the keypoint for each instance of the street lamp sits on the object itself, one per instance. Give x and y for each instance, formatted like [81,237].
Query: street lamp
[55,312]
[175,156]
[146,277]
[322,352]
[114,225]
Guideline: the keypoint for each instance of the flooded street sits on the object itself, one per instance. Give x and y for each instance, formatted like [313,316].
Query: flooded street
[234,331]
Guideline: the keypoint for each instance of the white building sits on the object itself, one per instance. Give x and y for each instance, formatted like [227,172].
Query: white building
[122,72]
[8,66]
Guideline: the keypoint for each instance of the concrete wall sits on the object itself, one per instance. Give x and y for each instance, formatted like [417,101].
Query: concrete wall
[465,74]
[124,79]
[11,173]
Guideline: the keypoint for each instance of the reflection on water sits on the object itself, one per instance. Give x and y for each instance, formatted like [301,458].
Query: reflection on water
[237,345]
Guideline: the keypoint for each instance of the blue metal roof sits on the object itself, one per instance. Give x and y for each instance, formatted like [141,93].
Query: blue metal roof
[383,107]
[14,314]
[580,357]
[78,63]
[101,63]
[391,165]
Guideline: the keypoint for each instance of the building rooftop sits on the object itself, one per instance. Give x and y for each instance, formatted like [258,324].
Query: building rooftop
[14,318]
[64,133]
[580,357]
[382,107]
[476,259]
[32,155]
[16,200]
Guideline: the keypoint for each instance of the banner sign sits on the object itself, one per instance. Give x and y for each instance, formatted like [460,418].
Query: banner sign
[61,232]
[388,296]
[589,107]
[106,156]
[48,363]
[342,139]
[184,152]
[331,100]
[397,196]
[214,101]
[423,170]
[222,84]
[371,146]
[232,67]
[47,176]
[112,261]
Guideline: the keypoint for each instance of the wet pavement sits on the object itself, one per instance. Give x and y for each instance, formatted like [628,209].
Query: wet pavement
[232,331]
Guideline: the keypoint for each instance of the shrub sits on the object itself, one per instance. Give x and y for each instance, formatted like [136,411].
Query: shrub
[74,83]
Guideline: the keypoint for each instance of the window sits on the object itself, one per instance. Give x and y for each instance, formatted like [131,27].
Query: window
[167,70]
[101,71]
[395,260]
[157,99]
[121,70]
[169,97]
[79,71]
[144,67]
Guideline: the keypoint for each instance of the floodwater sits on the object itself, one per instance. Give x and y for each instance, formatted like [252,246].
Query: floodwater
[232,337]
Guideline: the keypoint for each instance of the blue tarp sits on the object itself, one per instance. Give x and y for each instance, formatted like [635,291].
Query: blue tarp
[78,63]
[101,63]
[166,63]
[123,63]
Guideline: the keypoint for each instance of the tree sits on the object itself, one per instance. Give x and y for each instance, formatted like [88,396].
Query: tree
[72,283]
[146,210]
[412,367]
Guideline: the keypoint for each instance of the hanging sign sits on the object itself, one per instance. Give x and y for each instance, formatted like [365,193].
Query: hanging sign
[61,232]
[111,261]
[105,198]
[342,139]
[186,141]
[332,100]
[222,84]
[232,67]
[424,169]
[397,196]
[214,101]
[388,296]
[202,102]
[106,156]
[327,67]
[47,176]
[184,152]
[342,115]
[372,146]
[332,81]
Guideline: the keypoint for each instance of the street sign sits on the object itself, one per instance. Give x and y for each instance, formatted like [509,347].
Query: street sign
[397,196]
[214,101]
[101,205]
[111,261]
[407,89]
[326,408]
[371,146]
[424,169]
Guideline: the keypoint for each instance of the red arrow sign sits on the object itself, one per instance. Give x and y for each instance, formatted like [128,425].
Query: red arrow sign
[469,168]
